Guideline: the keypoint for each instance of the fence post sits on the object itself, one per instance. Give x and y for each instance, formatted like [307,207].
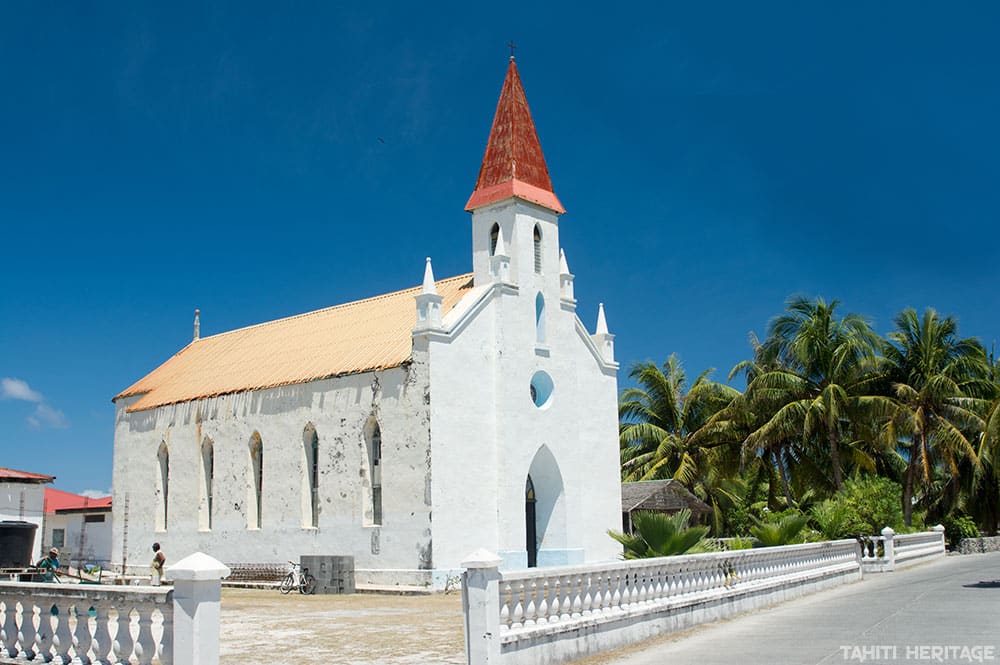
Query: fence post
[939,529]
[197,598]
[889,548]
[481,607]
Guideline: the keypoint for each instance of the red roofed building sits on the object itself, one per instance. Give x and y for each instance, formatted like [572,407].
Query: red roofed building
[80,526]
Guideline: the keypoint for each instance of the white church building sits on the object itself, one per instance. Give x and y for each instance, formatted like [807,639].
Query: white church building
[406,430]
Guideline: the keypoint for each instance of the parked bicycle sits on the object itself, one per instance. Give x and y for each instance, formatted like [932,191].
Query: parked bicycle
[298,578]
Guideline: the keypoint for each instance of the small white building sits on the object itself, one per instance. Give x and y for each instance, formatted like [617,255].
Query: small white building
[22,499]
[80,526]
[407,429]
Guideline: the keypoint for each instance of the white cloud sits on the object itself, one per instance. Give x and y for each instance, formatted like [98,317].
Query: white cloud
[17,389]
[46,416]
[96,494]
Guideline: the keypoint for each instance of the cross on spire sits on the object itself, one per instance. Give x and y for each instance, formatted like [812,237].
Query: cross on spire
[511,45]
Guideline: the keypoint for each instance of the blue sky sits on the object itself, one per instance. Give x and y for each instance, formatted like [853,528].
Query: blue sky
[257,160]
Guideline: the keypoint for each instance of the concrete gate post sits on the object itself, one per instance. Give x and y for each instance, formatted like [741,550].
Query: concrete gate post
[197,600]
[481,607]
[888,548]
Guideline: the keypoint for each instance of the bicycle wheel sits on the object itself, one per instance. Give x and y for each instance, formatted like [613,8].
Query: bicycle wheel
[308,586]
[288,583]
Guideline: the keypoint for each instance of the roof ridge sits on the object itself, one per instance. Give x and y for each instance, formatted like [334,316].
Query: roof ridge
[323,309]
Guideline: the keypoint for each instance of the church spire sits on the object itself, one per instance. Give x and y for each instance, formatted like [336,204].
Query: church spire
[513,165]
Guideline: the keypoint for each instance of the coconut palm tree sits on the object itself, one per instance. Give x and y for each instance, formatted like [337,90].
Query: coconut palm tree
[981,484]
[934,374]
[658,418]
[822,378]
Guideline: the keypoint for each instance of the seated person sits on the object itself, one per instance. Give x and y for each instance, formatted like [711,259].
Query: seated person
[50,566]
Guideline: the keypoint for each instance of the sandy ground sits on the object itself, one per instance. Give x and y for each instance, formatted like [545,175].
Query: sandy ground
[263,627]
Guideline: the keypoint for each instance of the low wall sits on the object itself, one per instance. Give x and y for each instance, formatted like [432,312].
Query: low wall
[913,548]
[889,551]
[551,615]
[42,621]
[979,545]
[87,623]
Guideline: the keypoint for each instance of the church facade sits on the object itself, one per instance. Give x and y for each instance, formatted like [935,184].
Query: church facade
[406,430]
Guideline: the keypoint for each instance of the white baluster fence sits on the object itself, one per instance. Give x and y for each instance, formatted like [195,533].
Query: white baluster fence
[877,552]
[550,615]
[100,624]
[890,551]
[86,624]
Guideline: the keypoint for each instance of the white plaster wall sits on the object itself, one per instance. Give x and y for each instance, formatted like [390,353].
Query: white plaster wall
[32,497]
[54,521]
[486,431]
[96,541]
[339,409]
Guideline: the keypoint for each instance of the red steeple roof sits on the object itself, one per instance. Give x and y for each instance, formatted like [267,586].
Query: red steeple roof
[513,164]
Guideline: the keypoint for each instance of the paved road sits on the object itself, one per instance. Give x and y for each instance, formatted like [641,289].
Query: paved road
[900,617]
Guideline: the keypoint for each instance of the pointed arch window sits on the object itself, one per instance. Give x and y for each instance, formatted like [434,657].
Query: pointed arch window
[310,445]
[207,484]
[494,236]
[373,512]
[162,486]
[255,513]
[538,249]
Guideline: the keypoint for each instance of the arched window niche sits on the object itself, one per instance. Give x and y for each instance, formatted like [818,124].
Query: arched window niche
[372,495]
[162,486]
[494,236]
[538,249]
[255,500]
[310,476]
[207,484]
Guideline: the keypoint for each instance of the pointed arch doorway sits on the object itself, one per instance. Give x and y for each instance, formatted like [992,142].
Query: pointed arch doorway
[544,510]
[530,523]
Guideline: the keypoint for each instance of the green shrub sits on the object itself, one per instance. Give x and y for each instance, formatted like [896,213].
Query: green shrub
[957,527]
[656,534]
[784,530]
[864,506]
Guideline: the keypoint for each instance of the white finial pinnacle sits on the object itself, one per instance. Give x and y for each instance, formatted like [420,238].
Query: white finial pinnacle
[563,266]
[429,278]
[500,249]
[197,325]
[602,324]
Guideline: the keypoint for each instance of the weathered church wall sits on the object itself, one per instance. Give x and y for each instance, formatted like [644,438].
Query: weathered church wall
[339,409]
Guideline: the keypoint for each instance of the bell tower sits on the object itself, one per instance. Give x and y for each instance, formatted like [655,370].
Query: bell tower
[514,209]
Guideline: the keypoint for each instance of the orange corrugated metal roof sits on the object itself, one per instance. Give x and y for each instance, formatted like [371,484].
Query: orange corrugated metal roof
[360,336]
[513,164]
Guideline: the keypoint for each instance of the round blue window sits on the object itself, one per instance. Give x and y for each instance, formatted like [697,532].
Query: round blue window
[541,389]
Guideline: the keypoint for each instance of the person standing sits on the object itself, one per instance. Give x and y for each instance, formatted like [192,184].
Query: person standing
[156,567]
